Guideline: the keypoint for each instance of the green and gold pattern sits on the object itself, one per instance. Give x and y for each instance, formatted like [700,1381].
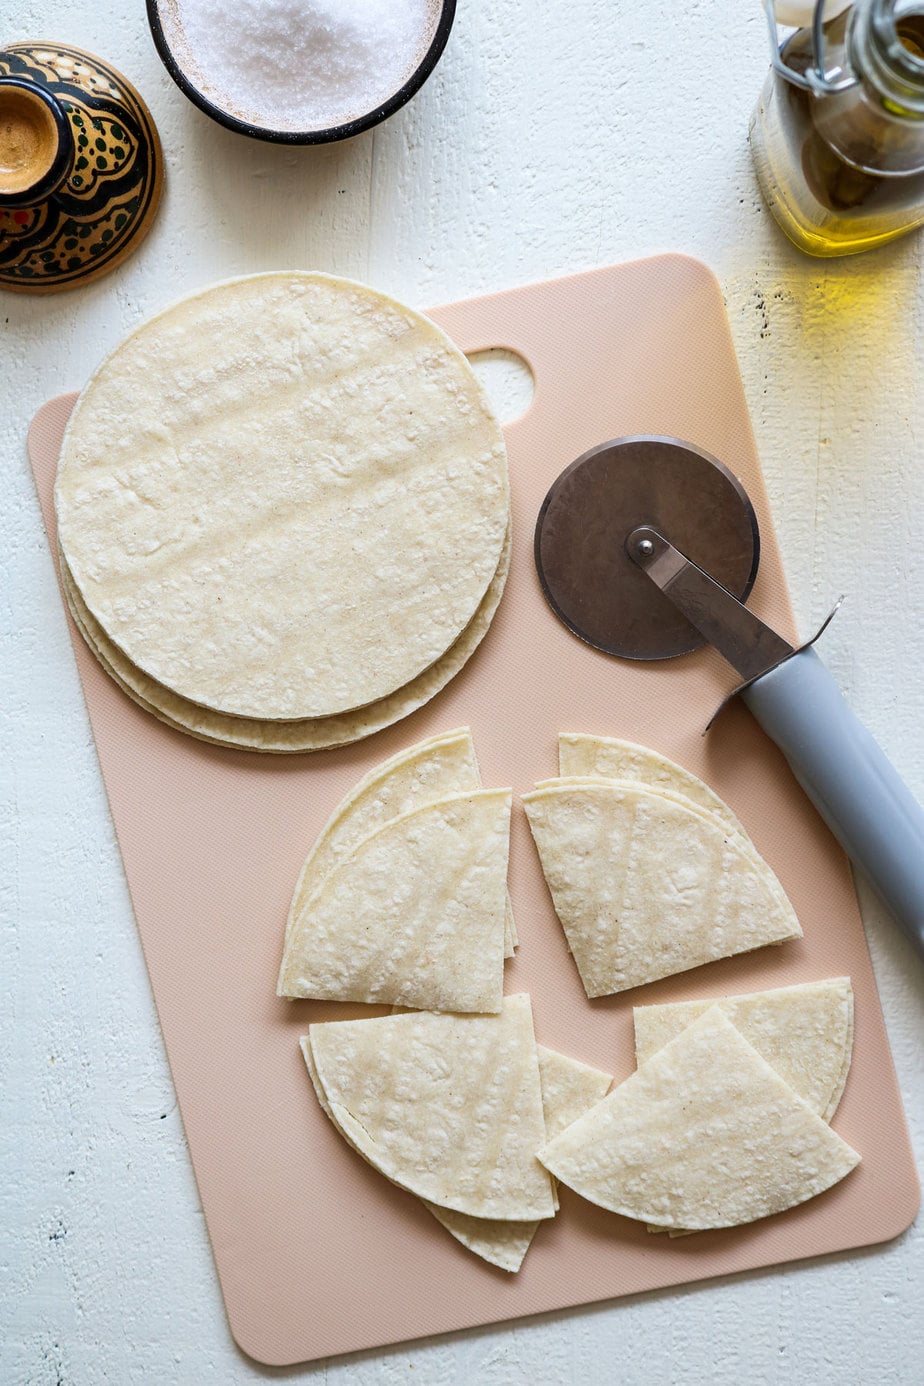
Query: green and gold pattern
[108,200]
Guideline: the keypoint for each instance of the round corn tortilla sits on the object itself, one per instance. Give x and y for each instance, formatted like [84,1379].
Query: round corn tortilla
[421,774]
[582,755]
[415,915]
[705,1134]
[804,1032]
[283,497]
[310,734]
[646,885]
[448,1107]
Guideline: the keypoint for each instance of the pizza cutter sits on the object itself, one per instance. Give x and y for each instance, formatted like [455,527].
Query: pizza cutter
[647,548]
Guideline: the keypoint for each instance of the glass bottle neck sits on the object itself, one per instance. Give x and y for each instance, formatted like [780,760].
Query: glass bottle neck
[885,42]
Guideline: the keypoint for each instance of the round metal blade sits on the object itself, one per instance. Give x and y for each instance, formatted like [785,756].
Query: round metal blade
[587,576]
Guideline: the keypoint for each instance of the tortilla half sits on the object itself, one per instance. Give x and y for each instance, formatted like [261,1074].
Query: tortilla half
[804,1032]
[415,915]
[305,734]
[569,1088]
[416,776]
[448,1107]
[583,755]
[705,1134]
[647,885]
[284,496]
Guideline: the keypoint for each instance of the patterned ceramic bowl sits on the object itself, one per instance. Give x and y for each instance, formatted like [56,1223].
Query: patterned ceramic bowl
[81,169]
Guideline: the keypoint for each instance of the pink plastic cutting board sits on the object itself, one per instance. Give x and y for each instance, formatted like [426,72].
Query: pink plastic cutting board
[317,1254]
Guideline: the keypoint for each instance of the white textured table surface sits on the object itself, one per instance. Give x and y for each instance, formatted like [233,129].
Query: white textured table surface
[552,137]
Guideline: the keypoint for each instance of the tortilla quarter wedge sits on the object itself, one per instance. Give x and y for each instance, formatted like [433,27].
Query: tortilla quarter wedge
[703,1135]
[584,756]
[805,1033]
[606,756]
[414,915]
[646,884]
[418,775]
[569,1088]
[448,1107]
[503,1244]
[735,835]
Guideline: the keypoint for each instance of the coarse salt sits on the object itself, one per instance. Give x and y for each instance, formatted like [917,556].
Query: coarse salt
[300,65]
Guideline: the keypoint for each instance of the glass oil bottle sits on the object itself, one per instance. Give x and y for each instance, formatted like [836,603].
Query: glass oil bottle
[838,134]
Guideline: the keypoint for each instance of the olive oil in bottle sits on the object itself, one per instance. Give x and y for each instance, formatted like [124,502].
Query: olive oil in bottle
[838,134]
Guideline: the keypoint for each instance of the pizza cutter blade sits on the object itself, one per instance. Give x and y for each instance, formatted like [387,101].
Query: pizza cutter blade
[647,548]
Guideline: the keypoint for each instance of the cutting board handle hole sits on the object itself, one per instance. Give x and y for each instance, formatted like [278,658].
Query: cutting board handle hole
[506,379]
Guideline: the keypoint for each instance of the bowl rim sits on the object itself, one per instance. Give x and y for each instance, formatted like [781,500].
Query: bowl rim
[321,136]
[56,172]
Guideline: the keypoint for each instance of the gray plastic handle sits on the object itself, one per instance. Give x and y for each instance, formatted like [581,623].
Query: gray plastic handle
[858,793]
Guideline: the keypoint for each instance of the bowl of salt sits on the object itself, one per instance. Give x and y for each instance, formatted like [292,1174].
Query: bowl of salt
[300,71]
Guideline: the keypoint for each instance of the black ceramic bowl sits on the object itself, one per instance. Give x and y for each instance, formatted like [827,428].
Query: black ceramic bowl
[317,136]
